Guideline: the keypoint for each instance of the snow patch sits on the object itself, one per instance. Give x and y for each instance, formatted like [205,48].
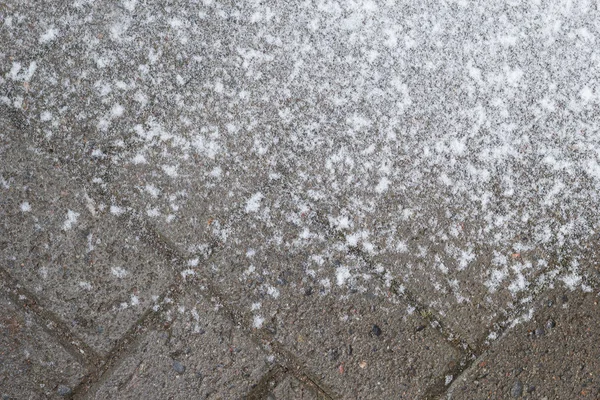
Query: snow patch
[258,321]
[49,35]
[383,185]
[119,272]
[273,292]
[71,220]
[139,159]
[187,272]
[253,203]
[572,281]
[342,275]
[116,210]
[448,379]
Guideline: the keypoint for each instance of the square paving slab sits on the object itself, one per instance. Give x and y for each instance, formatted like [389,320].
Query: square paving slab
[69,250]
[33,364]
[195,352]
[551,354]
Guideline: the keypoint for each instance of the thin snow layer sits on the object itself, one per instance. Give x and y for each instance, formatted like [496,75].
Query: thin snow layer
[462,136]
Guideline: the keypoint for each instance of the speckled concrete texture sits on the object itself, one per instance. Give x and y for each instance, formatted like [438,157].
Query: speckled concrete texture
[550,355]
[33,364]
[341,199]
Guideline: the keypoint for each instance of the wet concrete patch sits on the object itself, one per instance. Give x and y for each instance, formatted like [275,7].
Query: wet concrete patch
[72,252]
[33,364]
[194,351]
[548,355]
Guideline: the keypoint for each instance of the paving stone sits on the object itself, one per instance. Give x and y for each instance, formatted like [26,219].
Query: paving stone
[451,148]
[283,276]
[549,355]
[68,249]
[292,389]
[33,364]
[460,156]
[194,352]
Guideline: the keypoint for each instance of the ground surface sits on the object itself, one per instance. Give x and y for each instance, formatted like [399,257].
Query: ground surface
[299,200]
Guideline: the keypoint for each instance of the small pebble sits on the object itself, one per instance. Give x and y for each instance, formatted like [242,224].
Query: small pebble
[550,324]
[376,330]
[420,328]
[334,355]
[178,367]
[517,389]
[63,390]
[272,329]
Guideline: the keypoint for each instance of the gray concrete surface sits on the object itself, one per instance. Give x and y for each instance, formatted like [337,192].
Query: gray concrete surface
[550,355]
[33,364]
[321,199]
[194,352]
[73,253]
[291,388]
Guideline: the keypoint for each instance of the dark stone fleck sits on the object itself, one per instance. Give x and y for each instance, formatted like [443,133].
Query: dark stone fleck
[517,389]
[550,324]
[63,390]
[421,327]
[271,328]
[376,330]
[334,354]
[349,350]
[178,367]
[530,389]
[308,291]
